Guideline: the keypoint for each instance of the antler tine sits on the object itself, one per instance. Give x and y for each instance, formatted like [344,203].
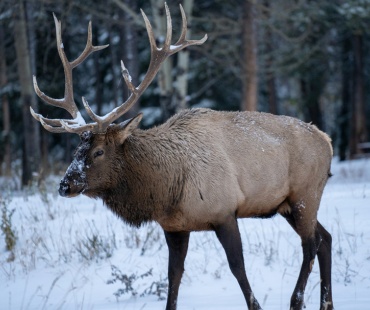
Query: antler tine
[91,114]
[67,102]
[184,28]
[49,124]
[126,75]
[167,42]
[89,48]
[158,56]
[149,30]
[55,102]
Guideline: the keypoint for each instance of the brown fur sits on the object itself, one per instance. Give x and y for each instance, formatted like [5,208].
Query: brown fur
[202,167]
[246,163]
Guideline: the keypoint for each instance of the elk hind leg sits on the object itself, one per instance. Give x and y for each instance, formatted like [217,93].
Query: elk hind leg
[303,220]
[229,236]
[324,258]
[178,246]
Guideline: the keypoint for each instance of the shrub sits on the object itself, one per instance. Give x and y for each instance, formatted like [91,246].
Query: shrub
[8,231]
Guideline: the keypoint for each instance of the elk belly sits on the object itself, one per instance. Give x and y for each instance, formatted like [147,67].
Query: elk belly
[264,199]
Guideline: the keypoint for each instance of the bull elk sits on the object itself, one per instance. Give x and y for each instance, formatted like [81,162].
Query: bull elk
[200,170]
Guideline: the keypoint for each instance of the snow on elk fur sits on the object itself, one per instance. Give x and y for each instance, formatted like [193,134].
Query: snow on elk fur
[201,170]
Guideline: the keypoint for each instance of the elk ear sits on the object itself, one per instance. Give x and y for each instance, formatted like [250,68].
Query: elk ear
[126,127]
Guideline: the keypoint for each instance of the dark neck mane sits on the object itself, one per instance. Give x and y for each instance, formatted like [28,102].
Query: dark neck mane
[150,179]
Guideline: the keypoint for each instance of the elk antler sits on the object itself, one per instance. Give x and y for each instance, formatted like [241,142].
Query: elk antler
[101,123]
[67,103]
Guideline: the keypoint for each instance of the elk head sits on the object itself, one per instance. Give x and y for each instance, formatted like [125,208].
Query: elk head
[89,173]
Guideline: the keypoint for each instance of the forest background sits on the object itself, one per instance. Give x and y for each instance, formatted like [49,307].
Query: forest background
[303,58]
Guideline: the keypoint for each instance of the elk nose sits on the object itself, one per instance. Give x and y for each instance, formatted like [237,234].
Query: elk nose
[64,188]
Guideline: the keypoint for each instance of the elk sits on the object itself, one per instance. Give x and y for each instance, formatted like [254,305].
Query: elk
[200,170]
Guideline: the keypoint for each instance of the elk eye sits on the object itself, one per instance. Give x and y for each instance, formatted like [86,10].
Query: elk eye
[98,153]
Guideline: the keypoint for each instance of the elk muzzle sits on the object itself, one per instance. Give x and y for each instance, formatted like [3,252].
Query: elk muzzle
[74,180]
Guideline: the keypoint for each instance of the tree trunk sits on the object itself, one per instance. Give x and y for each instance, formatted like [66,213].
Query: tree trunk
[165,79]
[343,119]
[98,77]
[311,89]
[31,142]
[30,22]
[32,44]
[130,53]
[270,79]
[272,98]
[358,122]
[66,139]
[183,64]
[6,164]
[250,81]
[114,63]
[45,136]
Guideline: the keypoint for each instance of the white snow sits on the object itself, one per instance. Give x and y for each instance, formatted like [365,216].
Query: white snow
[174,47]
[66,249]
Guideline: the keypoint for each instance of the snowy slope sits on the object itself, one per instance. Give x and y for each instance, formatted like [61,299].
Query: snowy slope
[66,249]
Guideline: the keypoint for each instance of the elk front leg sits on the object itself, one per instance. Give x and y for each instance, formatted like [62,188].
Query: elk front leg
[229,236]
[178,246]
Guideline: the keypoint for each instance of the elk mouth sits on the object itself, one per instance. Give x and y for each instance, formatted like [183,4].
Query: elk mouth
[66,190]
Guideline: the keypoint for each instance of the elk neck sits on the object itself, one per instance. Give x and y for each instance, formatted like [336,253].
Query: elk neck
[150,177]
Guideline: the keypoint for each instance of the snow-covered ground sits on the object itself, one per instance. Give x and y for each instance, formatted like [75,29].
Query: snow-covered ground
[69,250]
